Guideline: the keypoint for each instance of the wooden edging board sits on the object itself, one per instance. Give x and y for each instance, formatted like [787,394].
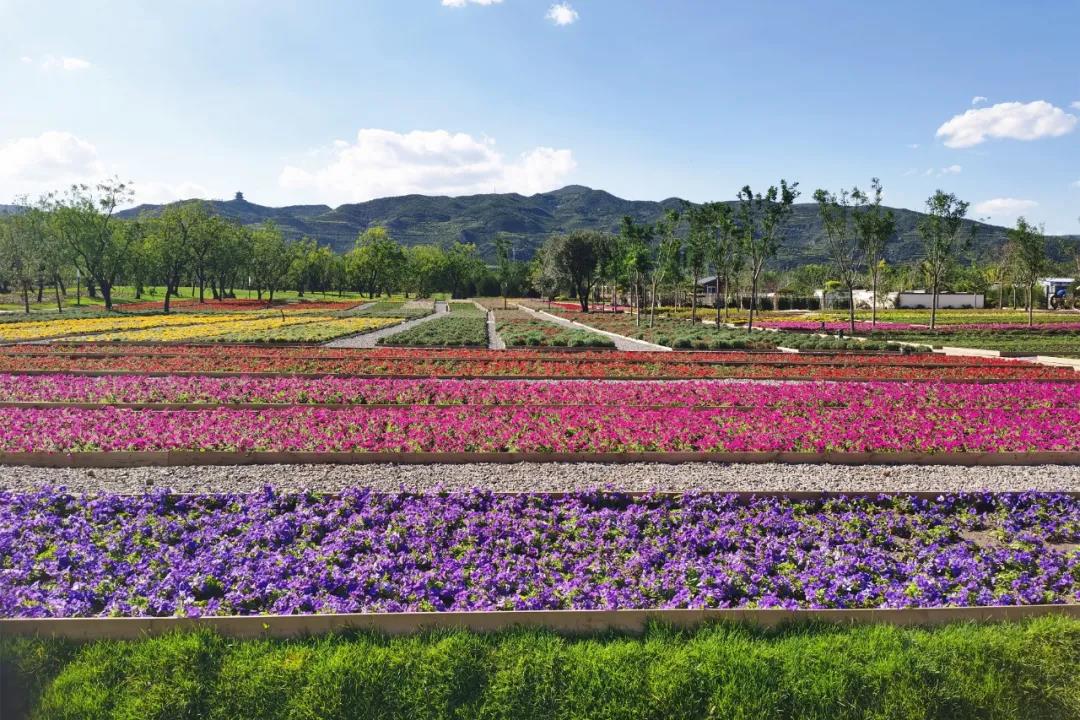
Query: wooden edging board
[562,621]
[176,458]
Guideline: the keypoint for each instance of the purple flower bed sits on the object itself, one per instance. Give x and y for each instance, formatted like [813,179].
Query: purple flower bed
[157,554]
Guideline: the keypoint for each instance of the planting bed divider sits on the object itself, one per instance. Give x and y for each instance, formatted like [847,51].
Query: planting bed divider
[563,621]
[177,458]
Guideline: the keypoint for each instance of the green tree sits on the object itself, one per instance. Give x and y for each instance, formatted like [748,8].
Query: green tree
[841,242]
[98,242]
[426,269]
[761,221]
[576,258]
[667,259]
[270,259]
[726,254]
[174,234]
[701,220]
[376,261]
[875,228]
[503,248]
[1030,243]
[463,267]
[940,230]
[635,250]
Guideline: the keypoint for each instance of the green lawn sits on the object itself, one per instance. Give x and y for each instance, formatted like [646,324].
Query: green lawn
[1002,671]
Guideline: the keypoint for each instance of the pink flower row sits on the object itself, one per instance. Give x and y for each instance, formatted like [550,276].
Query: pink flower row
[863,427]
[422,391]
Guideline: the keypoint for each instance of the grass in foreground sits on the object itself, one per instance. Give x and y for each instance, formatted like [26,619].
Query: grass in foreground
[1017,670]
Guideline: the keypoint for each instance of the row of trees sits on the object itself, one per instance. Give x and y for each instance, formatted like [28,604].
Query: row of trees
[65,240]
[77,237]
[737,243]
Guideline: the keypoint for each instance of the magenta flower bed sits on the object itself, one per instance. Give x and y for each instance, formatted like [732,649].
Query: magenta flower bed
[873,425]
[163,555]
[358,391]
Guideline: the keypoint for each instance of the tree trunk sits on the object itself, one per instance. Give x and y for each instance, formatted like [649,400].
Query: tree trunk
[851,307]
[753,301]
[202,289]
[933,305]
[1031,304]
[693,301]
[168,295]
[106,294]
[26,298]
[873,301]
[40,288]
[59,304]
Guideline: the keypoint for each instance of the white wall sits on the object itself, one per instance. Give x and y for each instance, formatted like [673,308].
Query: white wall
[945,300]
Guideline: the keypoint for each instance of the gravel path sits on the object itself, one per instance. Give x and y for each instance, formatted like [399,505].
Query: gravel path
[552,477]
[371,339]
[621,341]
[495,341]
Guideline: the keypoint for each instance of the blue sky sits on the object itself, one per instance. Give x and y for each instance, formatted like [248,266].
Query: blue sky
[307,102]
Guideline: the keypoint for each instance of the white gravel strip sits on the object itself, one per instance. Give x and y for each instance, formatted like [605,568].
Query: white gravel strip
[371,339]
[551,477]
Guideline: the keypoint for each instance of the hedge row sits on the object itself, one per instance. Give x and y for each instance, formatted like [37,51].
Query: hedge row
[1022,670]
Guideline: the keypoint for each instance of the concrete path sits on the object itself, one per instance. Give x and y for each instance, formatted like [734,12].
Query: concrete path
[621,341]
[369,340]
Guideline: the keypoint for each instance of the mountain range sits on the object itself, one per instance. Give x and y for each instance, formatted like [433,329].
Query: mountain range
[417,219]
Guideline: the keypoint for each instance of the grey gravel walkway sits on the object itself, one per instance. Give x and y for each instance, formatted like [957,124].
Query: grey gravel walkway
[621,341]
[371,339]
[551,477]
[495,341]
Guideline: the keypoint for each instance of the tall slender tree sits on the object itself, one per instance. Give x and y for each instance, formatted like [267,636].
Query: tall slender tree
[941,233]
[875,228]
[1030,244]
[700,219]
[841,242]
[761,224]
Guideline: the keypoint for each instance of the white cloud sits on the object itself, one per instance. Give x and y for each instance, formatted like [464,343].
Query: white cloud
[913,146]
[383,163]
[1014,120]
[1004,207]
[1075,104]
[1075,184]
[47,162]
[978,100]
[562,14]
[26,59]
[950,170]
[463,3]
[59,63]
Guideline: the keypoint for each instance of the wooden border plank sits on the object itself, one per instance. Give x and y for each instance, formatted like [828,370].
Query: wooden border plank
[177,458]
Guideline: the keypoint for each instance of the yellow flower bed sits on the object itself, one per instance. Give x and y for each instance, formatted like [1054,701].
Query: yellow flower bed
[41,329]
[204,331]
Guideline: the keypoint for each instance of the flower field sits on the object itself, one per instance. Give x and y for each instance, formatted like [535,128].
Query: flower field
[362,552]
[213,388]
